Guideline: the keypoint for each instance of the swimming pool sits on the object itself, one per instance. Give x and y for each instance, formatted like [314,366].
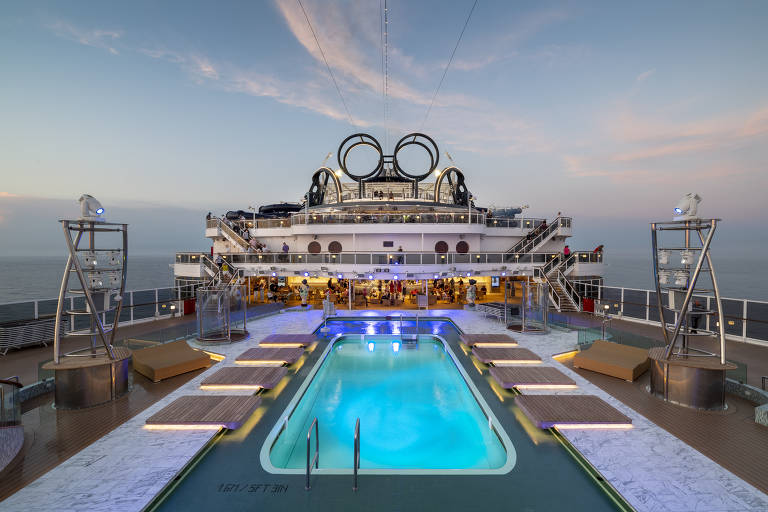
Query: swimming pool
[418,412]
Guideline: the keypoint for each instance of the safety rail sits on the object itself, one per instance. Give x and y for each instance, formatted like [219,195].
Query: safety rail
[233,236]
[392,258]
[525,245]
[553,296]
[10,412]
[303,218]
[569,289]
[316,459]
[356,462]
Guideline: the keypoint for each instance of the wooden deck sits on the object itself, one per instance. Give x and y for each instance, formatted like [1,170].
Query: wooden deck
[706,363]
[732,439]
[471,340]
[52,436]
[537,377]
[497,355]
[547,411]
[201,410]
[260,355]
[299,340]
[245,377]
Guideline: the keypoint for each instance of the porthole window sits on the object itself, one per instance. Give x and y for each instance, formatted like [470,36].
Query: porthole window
[313,247]
[462,247]
[441,246]
[334,246]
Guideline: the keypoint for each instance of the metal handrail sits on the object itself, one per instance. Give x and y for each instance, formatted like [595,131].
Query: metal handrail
[553,296]
[569,289]
[525,246]
[231,232]
[316,459]
[356,462]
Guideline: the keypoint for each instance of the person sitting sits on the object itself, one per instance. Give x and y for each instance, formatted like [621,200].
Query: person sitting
[391,196]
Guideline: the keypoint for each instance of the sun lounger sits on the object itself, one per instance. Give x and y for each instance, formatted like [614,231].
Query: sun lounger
[168,360]
[620,361]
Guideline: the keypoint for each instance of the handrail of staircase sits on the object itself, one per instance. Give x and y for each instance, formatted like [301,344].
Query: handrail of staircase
[525,246]
[553,296]
[569,289]
[233,234]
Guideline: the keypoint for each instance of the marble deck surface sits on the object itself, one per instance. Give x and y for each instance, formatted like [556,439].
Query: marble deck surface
[125,469]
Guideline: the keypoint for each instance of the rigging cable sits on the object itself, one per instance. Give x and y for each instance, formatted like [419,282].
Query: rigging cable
[386,74]
[445,71]
[330,72]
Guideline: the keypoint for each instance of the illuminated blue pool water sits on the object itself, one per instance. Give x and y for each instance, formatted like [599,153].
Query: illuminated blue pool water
[416,410]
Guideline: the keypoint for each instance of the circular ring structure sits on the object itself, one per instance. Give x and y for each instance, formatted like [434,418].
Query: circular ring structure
[351,142]
[426,142]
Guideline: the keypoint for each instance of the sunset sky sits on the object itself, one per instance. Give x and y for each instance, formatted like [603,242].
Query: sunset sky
[608,111]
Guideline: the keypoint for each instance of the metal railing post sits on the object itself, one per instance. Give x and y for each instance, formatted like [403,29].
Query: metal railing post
[316,459]
[356,462]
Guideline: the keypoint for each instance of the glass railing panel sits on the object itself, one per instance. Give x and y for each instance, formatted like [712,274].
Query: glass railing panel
[363,259]
[428,259]
[733,311]
[442,259]
[478,258]
[314,258]
[461,258]
[634,303]
[413,259]
[17,311]
[757,320]
[348,258]
[494,257]
[380,259]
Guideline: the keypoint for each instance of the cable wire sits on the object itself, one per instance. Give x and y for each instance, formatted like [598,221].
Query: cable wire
[330,72]
[445,71]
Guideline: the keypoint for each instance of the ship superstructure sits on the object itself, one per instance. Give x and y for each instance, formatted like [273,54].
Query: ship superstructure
[391,223]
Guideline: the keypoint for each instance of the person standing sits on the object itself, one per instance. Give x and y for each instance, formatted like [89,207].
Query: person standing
[566,252]
[304,292]
[471,293]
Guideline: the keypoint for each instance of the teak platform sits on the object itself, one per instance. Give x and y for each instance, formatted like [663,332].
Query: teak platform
[703,362]
[85,360]
[260,355]
[532,377]
[201,410]
[301,340]
[574,411]
[244,377]
[496,355]
[471,340]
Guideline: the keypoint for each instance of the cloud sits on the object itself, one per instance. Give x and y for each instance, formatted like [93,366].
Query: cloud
[96,38]
[645,75]
[8,194]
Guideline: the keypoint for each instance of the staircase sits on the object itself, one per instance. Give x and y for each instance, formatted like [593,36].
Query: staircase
[562,293]
[232,236]
[215,273]
[525,246]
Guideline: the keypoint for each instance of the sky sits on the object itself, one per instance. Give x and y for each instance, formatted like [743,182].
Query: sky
[607,111]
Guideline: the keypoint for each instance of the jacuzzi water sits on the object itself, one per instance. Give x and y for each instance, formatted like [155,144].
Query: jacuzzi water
[416,411]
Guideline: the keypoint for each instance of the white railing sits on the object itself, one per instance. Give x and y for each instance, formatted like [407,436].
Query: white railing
[525,245]
[303,218]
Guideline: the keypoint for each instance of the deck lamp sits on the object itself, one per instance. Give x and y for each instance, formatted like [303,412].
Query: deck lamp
[90,208]
[664,276]
[436,276]
[686,207]
[686,257]
[681,278]
[339,276]
[370,277]
[396,278]
[663,257]
[306,274]
[274,274]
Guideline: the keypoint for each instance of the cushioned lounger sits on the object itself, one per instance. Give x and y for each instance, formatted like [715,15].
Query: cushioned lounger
[620,361]
[168,360]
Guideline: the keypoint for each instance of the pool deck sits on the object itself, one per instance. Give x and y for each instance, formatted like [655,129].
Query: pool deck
[651,468]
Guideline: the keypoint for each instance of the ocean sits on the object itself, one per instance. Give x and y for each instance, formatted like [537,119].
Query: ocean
[740,277]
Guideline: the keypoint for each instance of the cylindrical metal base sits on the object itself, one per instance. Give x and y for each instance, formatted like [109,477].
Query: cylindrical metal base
[698,388]
[86,386]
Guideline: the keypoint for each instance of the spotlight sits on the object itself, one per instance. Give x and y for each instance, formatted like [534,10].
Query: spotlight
[681,278]
[686,257]
[90,208]
[339,172]
[664,276]
[370,346]
[339,276]
[396,278]
[306,274]
[370,276]
[687,206]
[274,274]
[663,257]
[396,346]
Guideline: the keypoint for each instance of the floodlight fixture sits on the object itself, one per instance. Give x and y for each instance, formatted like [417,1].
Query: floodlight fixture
[664,276]
[686,257]
[663,257]
[681,278]
[90,208]
[687,206]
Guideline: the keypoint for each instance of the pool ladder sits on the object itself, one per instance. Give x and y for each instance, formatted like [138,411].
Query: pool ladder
[316,459]
[356,462]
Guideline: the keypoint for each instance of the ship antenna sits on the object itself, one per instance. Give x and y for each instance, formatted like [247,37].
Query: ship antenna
[445,71]
[326,159]
[330,72]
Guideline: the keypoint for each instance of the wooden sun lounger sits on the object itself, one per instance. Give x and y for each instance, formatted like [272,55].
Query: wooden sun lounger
[471,339]
[168,360]
[244,377]
[267,355]
[541,377]
[620,361]
[283,339]
[496,355]
[201,410]
[547,411]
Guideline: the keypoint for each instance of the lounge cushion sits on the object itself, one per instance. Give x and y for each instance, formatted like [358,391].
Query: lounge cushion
[168,360]
[620,361]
